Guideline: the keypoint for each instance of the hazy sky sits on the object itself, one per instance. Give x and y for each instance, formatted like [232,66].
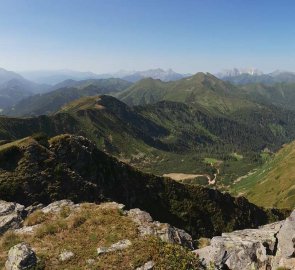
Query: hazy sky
[109,35]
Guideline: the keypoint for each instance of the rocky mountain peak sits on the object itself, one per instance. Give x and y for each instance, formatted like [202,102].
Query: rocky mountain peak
[239,71]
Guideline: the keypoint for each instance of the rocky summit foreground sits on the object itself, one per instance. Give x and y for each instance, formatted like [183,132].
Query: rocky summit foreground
[64,235]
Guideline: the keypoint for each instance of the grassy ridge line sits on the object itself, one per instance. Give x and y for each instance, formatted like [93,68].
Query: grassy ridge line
[200,89]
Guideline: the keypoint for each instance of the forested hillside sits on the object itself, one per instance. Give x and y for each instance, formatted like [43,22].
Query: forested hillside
[71,167]
[154,138]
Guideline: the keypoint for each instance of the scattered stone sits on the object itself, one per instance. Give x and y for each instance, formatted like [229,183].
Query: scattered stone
[21,257]
[32,208]
[11,216]
[58,205]
[27,229]
[170,234]
[90,261]
[164,231]
[139,216]
[112,205]
[123,244]
[66,255]
[147,266]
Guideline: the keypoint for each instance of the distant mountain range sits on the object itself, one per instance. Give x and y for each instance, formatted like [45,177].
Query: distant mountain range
[63,93]
[238,71]
[13,88]
[54,77]
[253,75]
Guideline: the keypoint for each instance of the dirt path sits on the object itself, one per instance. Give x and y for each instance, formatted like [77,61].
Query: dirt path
[182,176]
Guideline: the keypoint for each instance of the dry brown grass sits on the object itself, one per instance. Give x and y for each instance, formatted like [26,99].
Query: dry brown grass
[8,240]
[36,217]
[83,231]
[203,242]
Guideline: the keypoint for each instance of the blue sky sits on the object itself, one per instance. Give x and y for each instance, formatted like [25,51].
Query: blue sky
[109,35]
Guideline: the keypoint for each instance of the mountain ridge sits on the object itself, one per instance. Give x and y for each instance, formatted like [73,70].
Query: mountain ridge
[72,167]
[55,77]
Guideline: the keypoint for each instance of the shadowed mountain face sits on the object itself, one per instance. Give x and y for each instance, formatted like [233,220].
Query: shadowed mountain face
[34,170]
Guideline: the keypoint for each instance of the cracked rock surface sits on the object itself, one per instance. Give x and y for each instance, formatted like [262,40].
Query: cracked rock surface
[11,215]
[268,247]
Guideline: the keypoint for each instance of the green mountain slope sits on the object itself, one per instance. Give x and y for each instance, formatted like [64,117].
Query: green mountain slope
[273,183]
[51,102]
[279,94]
[72,167]
[114,84]
[166,137]
[200,89]
[245,78]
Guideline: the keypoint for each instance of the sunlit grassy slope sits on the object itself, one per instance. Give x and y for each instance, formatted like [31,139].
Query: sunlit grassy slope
[274,183]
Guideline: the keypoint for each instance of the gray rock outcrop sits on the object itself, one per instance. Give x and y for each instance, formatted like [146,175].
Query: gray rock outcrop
[11,216]
[164,231]
[21,257]
[268,247]
[58,205]
[285,256]
[147,226]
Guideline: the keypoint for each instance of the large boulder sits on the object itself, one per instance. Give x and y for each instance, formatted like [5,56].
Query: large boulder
[11,215]
[268,247]
[285,256]
[21,257]
[244,249]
